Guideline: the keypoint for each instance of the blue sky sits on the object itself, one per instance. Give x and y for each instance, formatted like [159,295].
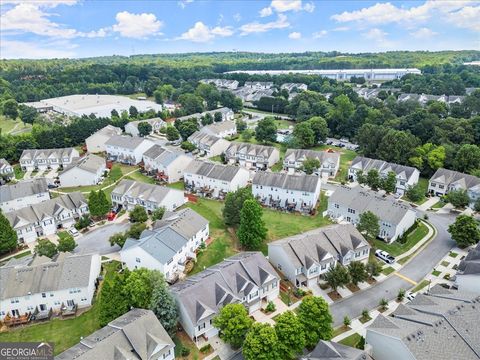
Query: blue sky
[84,28]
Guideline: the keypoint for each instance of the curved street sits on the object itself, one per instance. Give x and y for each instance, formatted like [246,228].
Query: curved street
[416,269]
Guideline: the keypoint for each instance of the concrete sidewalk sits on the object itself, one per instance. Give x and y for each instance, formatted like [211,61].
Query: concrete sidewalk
[428,204]
[421,243]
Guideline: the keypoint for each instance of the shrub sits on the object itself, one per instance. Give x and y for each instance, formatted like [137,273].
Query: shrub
[185,351]
[346,321]
[383,303]
[365,313]
[270,307]
[401,294]
[206,348]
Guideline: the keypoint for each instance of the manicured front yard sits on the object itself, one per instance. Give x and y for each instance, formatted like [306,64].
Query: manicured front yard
[453,254]
[396,248]
[63,333]
[421,285]
[423,183]
[340,330]
[436,273]
[388,270]
[353,340]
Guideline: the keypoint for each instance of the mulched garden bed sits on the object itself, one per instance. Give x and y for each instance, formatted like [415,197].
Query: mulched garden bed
[353,288]
[334,295]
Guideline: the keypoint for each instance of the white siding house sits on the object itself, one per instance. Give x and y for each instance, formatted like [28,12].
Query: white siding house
[96,142]
[208,145]
[46,159]
[467,277]
[329,161]
[252,156]
[287,192]
[214,180]
[303,258]
[88,170]
[245,278]
[168,165]
[156,124]
[445,180]
[6,170]
[220,129]
[406,176]
[127,149]
[26,289]
[48,217]
[129,193]
[395,218]
[22,194]
[173,241]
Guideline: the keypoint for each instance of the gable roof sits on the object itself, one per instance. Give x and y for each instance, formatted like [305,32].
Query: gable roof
[455,178]
[186,222]
[126,142]
[325,157]
[137,334]
[228,282]
[139,190]
[329,350]
[202,138]
[22,189]
[162,155]
[47,209]
[250,149]
[307,183]
[34,154]
[40,274]
[108,130]
[213,171]
[366,164]
[219,127]
[362,200]
[153,122]
[90,163]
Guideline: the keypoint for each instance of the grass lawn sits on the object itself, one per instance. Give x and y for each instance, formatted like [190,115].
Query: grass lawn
[179,185]
[340,330]
[63,235]
[346,157]
[9,125]
[19,173]
[453,254]
[436,273]
[388,270]
[423,183]
[445,263]
[181,341]
[18,256]
[421,285]
[217,158]
[438,205]
[254,110]
[138,176]
[63,333]
[352,340]
[396,248]
[284,124]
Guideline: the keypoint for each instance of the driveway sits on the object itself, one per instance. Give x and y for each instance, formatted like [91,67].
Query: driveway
[415,270]
[97,240]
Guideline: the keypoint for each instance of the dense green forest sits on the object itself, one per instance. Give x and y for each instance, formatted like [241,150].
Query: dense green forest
[427,136]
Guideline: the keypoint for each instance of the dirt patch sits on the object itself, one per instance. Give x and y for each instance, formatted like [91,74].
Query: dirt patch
[353,288]
[371,281]
[334,295]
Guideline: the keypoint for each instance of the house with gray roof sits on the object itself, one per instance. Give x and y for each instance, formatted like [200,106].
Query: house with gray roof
[6,170]
[96,142]
[214,180]
[127,149]
[406,176]
[294,87]
[208,145]
[23,193]
[305,257]
[287,192]
[329,350]
[329,161]
[424,99]
[46,159]
[395,218]
[156,124]
[227,114]
[168,165]
[48,217]
[171,243]
[441,324]
[220,129]
[136,335]
[252,156]
[221,83]
[37,285]
[129,193]
[445,180]
[467,277]
[246,278]
[87,170]
[259,85]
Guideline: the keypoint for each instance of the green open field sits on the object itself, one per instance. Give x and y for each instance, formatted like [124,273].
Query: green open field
[8,125]
[396,248]
[63,333]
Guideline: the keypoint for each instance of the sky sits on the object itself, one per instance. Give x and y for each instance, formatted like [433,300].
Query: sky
[87,28]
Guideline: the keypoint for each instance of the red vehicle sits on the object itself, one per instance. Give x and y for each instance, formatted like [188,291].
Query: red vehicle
[111,216]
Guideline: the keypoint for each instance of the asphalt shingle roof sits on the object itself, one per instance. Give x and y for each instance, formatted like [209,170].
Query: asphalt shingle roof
[366,164]
[307,183]
[213,171]
[22,189]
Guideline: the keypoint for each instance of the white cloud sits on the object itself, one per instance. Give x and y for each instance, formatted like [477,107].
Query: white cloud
[341,28]
[384,13]
[467,18]
[319,34]
[32,50]
[137,26]
[309,7]
[237,17]
[379,37]
[256,27]
[40,3]
[266,12]
[202,33]
[423,33]
[183,3]
[295,35]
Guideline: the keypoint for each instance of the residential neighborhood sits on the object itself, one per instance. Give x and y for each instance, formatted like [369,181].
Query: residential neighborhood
[248,180]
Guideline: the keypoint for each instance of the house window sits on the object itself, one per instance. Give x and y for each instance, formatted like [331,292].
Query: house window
[137,260]
[44,295]
[336,206]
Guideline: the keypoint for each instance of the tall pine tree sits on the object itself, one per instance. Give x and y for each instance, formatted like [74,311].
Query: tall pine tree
[252,231]
[8,236]
[113,303]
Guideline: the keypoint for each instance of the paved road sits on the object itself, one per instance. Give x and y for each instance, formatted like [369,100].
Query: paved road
[416,269]
[97,240]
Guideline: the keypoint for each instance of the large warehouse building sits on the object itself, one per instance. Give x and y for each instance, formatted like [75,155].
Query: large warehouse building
[340,74]
[100,105]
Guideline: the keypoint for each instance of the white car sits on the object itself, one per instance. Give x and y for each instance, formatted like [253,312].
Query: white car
[410,296]
[74,232]
[385,256]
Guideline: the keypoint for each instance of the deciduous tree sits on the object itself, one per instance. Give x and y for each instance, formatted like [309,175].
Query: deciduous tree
[144,129]
[310,165]
[8,236]
[233,324]
[46,248]
[138,214]
[290,334]
[66,244]
[234,204]
[252,231]
[164,307]
[261,343]
[266,130]
[357,271]
[465,231]
[337,276]
[458,198]
[369,225]
[314,315]
[112,302]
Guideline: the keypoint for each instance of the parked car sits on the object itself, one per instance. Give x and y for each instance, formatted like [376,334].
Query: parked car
[410,295]
[74,232]
[52,186]
[385,256]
